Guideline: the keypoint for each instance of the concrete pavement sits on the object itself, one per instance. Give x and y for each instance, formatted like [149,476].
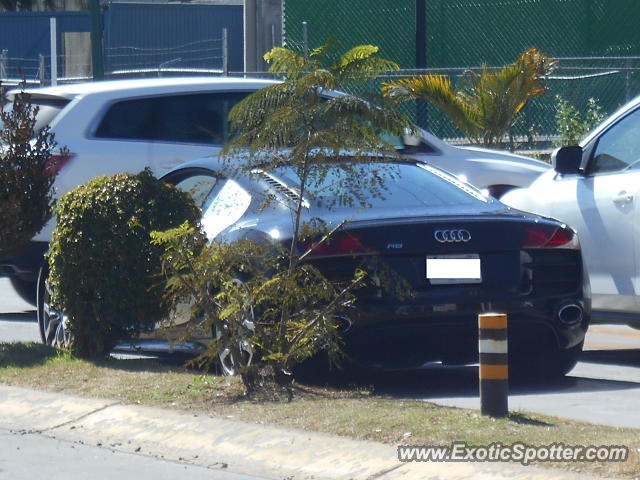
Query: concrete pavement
[32,456]
[224,444]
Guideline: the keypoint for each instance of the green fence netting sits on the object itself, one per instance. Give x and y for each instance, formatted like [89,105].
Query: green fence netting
[597,43]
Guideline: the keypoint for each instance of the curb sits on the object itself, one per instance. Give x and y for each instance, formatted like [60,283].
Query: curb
[227,444]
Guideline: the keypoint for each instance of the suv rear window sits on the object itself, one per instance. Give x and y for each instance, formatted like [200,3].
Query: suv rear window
[48,109]
[192,118]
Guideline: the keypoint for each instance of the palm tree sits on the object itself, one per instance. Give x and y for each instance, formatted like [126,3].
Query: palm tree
[487,106]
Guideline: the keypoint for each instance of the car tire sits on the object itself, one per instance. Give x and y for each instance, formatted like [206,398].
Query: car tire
[228,364]
[566,359]
[26,289]
[51,322]
[547,365]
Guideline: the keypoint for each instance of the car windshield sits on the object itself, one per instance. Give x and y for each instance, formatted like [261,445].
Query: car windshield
[48,109]
[406,185]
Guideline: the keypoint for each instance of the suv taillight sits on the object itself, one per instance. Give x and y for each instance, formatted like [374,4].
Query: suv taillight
[56,162]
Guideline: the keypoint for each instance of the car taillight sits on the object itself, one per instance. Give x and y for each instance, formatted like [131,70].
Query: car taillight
[56,162]
[341,244]
[549,237]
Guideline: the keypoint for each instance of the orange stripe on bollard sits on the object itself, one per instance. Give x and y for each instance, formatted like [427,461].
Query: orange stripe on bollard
[494,372]
[492,320]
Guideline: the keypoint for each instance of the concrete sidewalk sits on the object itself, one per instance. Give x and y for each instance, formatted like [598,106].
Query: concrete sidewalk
[237,446]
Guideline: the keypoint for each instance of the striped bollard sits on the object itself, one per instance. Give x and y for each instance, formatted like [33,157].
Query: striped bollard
[494,364]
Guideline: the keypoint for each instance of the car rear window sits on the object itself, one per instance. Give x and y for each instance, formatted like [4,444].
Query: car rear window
[193,118]
[48,109]
[408,185]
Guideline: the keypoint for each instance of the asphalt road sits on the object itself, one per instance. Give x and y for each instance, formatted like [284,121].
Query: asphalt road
[25,456]
[603,388]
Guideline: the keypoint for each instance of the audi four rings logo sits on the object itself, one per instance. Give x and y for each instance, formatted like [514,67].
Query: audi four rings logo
[452,236]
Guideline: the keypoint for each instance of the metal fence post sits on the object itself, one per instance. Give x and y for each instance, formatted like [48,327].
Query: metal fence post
[225,53]
[42,69]
[305,38]
[4,56]
[53,32]
[494,364]
[97,55]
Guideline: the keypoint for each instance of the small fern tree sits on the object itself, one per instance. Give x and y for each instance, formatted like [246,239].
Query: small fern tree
[304,125]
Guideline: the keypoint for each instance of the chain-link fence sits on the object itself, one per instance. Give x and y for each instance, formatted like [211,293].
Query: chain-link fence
[597,43]
[459,33]
[205,57]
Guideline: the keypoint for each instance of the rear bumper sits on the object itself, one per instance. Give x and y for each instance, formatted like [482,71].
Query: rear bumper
[409,334]
[25,264]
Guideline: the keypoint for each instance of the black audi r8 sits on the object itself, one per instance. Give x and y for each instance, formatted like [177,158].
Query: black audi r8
[457,253]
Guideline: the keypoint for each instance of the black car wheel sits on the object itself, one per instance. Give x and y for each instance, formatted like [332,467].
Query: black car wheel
[231,360]
[228,360]
[546,364]
[51,322]
[565,360]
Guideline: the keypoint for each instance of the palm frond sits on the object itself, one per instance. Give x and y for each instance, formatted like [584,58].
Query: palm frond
[287,62]
[359,64]
[323,51]
[438,90]
[485,107]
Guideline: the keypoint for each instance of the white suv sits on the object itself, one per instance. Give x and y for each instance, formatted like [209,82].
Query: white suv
[595,188]
[127,125]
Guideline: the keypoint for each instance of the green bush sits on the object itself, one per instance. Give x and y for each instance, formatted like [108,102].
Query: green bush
[572,125]
[104,270]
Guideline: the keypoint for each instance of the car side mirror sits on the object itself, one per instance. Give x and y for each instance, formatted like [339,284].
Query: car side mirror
[567,159]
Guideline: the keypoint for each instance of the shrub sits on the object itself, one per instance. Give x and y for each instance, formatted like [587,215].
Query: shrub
[26,176]
[571,125]
[104,270]
[245,293]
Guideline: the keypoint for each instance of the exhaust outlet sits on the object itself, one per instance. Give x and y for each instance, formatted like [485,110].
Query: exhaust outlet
[570,314]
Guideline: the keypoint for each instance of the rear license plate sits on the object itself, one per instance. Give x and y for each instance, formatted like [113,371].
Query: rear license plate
[448,269]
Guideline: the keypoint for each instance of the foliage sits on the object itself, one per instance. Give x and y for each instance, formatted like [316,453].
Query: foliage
[26,174]
[571,125]
[304,125]
[240,291]
[486,106]
[103,269]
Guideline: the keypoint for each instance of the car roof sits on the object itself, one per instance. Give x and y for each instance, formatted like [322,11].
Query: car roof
[144,86]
